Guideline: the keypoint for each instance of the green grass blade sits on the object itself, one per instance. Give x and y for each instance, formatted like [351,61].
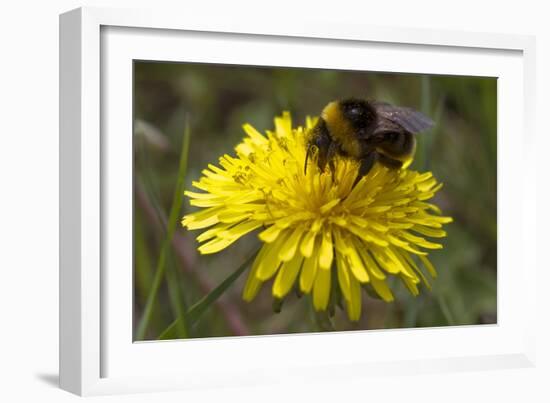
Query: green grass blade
[143,264]
[444,307]
[170,332]
[426,108]
[176,298]
[173,220]
[205,302]
[147,179]
[430,136]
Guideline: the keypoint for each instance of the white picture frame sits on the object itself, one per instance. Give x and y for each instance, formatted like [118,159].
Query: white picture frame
[96,354]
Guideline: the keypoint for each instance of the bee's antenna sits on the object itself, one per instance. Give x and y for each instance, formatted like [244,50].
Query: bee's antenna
[307,157]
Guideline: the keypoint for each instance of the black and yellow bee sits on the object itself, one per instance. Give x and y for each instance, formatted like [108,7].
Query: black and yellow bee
[367,131]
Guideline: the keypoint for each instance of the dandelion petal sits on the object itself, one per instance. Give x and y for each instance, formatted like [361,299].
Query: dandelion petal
[309,271]
[287,276]
[353,305]
[327,253]
[321,290]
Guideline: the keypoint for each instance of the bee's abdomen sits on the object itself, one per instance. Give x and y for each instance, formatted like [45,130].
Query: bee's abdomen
[398,145]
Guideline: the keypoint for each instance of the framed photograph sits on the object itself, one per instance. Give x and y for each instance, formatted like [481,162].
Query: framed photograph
[244,204]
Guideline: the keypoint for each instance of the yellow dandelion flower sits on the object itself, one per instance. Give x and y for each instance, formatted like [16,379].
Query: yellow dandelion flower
[316,227]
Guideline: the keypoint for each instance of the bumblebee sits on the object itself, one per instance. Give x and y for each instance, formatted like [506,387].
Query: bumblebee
[366,131]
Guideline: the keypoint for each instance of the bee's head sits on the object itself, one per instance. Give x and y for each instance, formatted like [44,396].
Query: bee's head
[358,112]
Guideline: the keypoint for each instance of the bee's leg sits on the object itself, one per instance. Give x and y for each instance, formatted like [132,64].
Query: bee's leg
[322,157]
[389,162]
[327,151]
[320,138]
[331,153]
[308,153]
[322,154]
[366,165]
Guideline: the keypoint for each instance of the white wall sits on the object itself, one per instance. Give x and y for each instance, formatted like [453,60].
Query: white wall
[29,201]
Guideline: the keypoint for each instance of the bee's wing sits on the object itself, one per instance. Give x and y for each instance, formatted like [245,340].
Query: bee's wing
[411,120]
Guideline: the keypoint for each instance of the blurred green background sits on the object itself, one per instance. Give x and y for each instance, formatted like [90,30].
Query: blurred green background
[215,100]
